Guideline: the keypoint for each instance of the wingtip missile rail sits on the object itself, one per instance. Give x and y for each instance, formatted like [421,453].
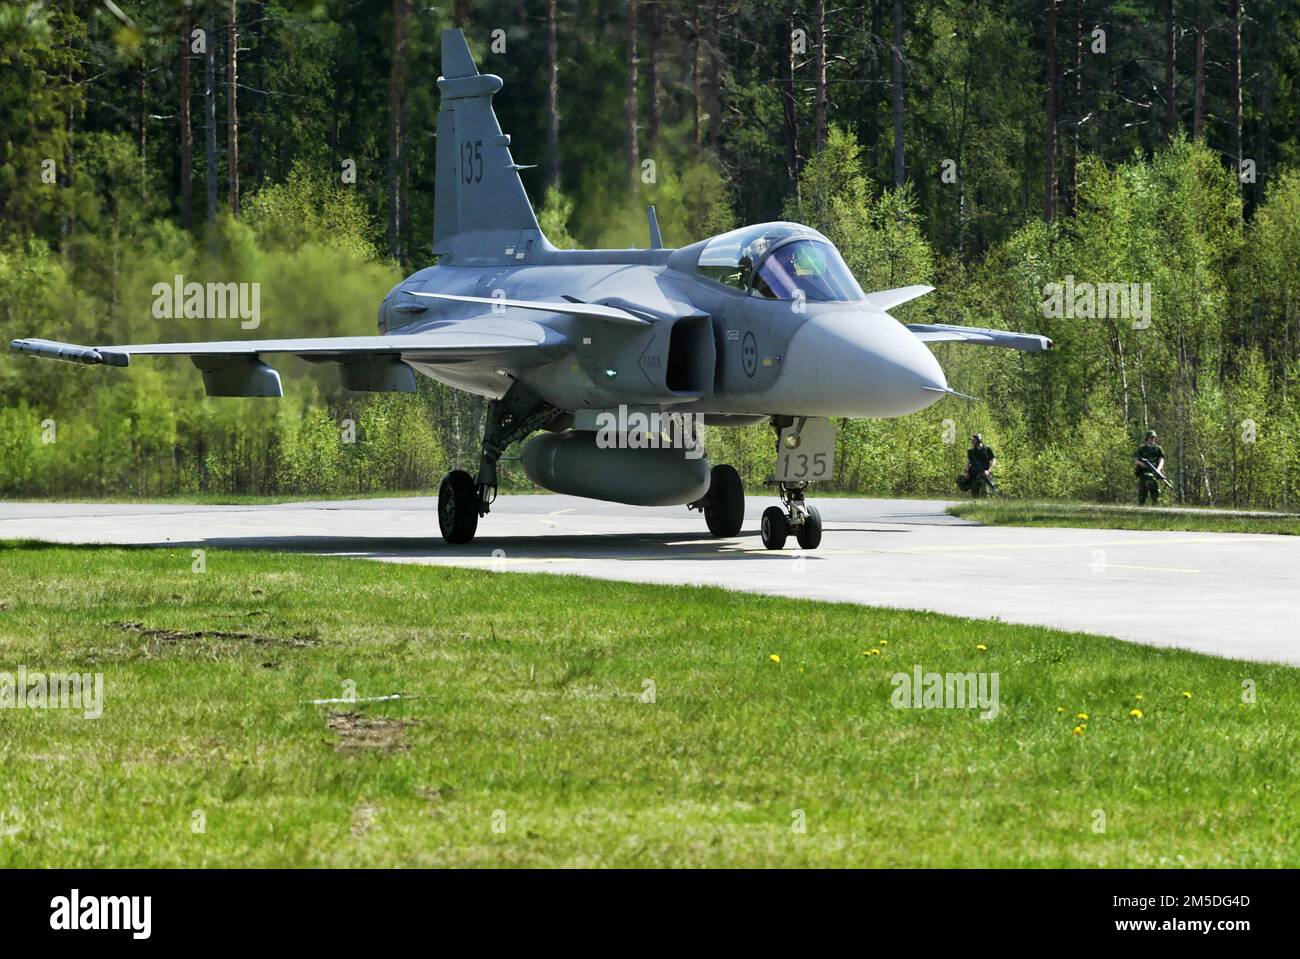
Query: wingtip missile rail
[69,352]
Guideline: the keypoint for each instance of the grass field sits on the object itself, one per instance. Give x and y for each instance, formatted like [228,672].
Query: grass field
[228,499]
[528,738]
[1000,512]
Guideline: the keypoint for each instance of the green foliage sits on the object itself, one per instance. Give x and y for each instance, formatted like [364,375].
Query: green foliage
[879,236]
[93,105]
[311,207]
[553,217]
[691,200]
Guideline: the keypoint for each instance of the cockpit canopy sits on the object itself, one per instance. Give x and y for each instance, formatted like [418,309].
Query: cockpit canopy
[779,261]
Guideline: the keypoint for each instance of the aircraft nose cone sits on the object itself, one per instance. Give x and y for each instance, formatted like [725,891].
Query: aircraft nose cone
[860,363]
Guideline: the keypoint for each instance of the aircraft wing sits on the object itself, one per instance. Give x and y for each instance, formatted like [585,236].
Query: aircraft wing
[886,300]
[943,332]
[375,363]
[568,307]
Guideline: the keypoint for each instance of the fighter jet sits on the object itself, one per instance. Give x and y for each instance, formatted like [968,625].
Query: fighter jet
[596,350]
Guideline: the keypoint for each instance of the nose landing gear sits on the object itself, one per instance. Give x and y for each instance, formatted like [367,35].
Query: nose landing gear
[805,452]
[796,517]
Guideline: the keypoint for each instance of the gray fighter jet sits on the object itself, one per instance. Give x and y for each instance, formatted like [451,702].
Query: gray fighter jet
[613,355]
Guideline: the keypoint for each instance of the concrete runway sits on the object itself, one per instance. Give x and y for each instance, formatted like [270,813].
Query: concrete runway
[1227,594]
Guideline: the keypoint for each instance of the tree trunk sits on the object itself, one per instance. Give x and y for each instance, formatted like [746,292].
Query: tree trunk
[187,132]
[697,83]
[1200,84]
[1049,138]
[1171,53]
[396,97]
[1078,103]
[142,141]
[819,74]
[652,74]
[257,67]
[210,111]
[630,99]
[789,124]
[899,173]
[460,14]
[232,110]
[714,54]
[552,98]
[1236,85]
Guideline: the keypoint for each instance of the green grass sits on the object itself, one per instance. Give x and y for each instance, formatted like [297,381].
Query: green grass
[528,705]
[249,499]
[1000,512]
[223,499]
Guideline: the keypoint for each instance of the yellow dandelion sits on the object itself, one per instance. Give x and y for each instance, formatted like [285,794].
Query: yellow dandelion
[1081,716]
[1187,695]
[872,652]
[1135,713]
[774,658]
[884,642]
[981,647]
[1078,730]
[1138,697]
[1059,710]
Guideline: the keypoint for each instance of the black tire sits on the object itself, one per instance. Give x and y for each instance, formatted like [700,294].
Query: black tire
[774,529]
[458,507]
[810,533]
[724,505]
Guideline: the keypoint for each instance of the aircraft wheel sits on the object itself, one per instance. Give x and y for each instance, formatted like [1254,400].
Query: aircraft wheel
[458,507]
[724,508]
[775,528]
[810,533]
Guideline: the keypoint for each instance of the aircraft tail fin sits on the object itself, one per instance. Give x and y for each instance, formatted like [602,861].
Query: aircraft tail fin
[481,212]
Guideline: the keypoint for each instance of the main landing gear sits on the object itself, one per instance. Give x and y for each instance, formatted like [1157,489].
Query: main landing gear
[462,499]
[796,516]
[724,504]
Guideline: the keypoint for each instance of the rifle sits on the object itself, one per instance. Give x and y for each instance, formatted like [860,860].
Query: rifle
[1152,467]
[977,476]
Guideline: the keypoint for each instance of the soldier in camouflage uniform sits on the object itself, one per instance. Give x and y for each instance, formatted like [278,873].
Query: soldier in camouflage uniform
[1148,454]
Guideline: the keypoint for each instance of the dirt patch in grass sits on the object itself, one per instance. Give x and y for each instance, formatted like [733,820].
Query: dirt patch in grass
[178,636]
[360,734]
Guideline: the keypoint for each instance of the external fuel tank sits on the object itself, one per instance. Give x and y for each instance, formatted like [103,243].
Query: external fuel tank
[572,462]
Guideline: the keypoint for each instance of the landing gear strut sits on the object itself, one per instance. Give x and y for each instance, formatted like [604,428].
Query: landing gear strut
[462,499]
[794,515]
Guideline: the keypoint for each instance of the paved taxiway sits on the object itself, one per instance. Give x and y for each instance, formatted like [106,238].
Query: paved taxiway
[1228,594]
